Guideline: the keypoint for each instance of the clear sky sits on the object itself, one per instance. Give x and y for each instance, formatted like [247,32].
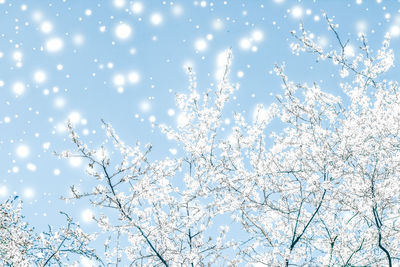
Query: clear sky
[123,61]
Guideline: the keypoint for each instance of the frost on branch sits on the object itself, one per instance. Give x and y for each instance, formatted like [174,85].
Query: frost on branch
[15,240]
[346,157]
[20,245]
[164,209]
[322,190]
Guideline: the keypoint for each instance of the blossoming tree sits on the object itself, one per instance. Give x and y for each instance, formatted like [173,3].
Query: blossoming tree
[21,246]
[323,190]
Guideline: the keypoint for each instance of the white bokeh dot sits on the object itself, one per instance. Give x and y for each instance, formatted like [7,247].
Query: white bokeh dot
[75,161]
[3,191]
[29,192]
[23,151]
[245,43]
[39,76]
[119,3]
[18,88]
[217,24]
[46,145]
[177,10]
[394,31]
[87,215]
[173,151]
[144,106]
[156,19]
[137,7]
[59,102]
[15,169]
[297,12]
[133,77]
[78,39]
[46,27]
[222,59]
[257,35]
[88,12]
[54,45]
[123,31]
[349,51]
[86,262]
[17,55]
[74,117]
[119,80]
[31,167]
[152,119]
[171,112]
[200,45]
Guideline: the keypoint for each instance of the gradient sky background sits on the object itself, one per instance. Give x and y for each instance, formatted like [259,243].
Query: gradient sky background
[123,61]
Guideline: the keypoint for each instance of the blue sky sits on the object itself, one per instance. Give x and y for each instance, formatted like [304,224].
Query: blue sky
[123,61]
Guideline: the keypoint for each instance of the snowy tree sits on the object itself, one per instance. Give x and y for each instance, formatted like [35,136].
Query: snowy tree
[20,245]
[323,190]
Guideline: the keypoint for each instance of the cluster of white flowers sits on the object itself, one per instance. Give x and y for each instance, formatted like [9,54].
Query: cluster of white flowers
[322,191]
[21,246]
